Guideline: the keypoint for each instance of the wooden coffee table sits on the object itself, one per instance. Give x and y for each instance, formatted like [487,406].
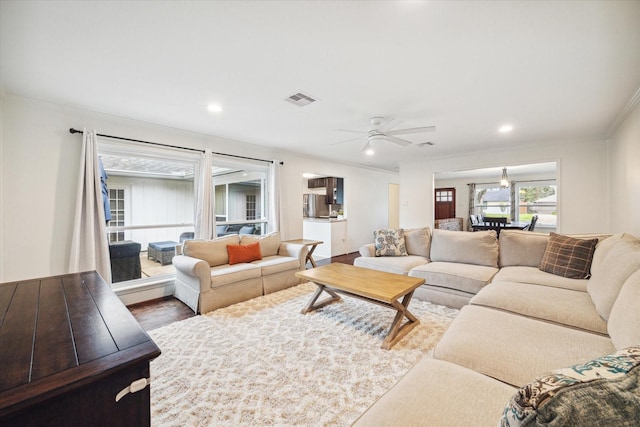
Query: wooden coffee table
[377,287]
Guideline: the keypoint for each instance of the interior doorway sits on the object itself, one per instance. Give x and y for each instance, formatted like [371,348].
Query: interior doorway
[445,203]
[394,206]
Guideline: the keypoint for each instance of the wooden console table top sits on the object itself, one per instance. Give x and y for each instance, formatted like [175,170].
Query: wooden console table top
[59,334]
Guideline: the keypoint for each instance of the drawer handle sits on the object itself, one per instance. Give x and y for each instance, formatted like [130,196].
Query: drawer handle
[135,386]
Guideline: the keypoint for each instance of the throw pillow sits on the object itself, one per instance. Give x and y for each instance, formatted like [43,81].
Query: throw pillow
[568,257]
[243,253]
[390,242]
[418,241]
[607,388]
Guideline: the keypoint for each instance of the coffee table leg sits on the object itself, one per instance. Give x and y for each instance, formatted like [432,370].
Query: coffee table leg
[312,302]
[398,329]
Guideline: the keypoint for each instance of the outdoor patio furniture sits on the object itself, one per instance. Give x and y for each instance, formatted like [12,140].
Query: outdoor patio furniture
[125,261]
[163,252]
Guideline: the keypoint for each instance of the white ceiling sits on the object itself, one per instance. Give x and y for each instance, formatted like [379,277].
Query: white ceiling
[555,70]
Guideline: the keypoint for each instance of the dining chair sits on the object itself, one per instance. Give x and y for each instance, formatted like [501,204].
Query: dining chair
[494,221]
[532,226]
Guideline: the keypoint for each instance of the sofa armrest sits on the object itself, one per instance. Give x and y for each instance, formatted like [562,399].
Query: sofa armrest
[194,272]
[295,251]
[368,250]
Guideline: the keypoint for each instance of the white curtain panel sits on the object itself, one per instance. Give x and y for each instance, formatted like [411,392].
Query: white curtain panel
[89,244]
[205,220]
[274,200]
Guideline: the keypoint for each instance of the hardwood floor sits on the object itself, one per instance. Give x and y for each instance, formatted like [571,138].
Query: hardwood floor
[163,311]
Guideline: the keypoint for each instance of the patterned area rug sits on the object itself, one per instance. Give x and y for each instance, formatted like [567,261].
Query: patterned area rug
[261,362]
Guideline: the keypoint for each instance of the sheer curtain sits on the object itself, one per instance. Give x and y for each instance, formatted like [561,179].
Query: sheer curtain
[274,200]
[205,219]
[89,244]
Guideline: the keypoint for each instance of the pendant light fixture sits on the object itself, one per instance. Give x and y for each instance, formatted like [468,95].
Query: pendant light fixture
[504,182]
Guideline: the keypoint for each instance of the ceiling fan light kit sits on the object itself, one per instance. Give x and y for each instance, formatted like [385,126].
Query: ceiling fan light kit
[379,135]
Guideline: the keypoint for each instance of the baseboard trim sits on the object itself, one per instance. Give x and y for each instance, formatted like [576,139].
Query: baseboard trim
[146,291]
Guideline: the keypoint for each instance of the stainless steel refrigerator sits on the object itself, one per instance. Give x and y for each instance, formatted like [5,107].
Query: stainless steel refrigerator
[315,206]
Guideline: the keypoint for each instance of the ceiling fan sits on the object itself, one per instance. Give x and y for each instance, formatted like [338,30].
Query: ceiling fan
[381,132]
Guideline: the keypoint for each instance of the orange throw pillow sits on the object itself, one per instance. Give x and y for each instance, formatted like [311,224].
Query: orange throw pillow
[243,253]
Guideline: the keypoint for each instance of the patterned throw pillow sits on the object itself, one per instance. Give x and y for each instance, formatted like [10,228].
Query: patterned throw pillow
[605,389]
[568,257]
[390,242]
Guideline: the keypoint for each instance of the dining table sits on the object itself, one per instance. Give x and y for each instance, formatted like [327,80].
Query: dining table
[513,225]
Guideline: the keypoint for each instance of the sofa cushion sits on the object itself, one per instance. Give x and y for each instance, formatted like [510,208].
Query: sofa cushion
[568,256]
[418,241]
[276,264]
[390,242]
[479,248]
[603,248]
[226,274]
[269,243]
[397,265]
[624,320]
[514,348]
[604,389]
[243,253]
[538,277]
[621,261]
[430,394]
[562,306]
[522,248]
[463,277]
[212,251]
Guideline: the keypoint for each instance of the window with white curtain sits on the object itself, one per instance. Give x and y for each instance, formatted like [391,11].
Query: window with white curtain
[153,197]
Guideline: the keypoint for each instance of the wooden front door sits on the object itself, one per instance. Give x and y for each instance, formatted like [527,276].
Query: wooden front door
[445,203]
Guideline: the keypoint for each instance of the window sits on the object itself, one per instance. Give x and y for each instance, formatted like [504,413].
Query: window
[538,198]
[153,193]
[492,200]
[531,198]
[241,197]
[251,206]
[152,197]
[116,206]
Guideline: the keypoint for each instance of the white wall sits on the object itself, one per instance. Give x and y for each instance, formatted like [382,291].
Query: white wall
[624,158]
[39,172]
[583,191]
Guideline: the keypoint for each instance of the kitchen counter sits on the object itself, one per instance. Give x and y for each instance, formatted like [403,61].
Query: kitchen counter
[331,231]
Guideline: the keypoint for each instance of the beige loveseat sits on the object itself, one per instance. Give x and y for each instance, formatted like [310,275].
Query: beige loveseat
[205,280]
[526,324]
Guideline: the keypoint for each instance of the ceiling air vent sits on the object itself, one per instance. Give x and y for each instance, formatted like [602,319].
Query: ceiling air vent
[300,99]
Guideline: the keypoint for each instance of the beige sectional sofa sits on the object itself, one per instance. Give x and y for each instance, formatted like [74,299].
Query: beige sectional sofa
[205,280]
[527,324]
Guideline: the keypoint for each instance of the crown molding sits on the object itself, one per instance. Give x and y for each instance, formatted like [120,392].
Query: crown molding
[622,116]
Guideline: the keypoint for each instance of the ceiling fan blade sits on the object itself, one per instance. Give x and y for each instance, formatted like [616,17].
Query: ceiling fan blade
[353,131]
[398,141]
[348,140]
[412,130]
[366,147]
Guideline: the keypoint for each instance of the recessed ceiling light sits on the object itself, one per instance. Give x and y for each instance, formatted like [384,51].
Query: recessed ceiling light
[369,151]
[505,129]
[214,108]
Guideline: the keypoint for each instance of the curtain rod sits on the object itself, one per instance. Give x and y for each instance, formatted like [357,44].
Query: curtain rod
[72,131]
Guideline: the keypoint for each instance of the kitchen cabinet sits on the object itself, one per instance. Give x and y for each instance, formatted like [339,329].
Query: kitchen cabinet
[317,183]
[332,232]
[335,191]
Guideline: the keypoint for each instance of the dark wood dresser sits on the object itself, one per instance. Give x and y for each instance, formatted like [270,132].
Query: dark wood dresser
[68,347]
